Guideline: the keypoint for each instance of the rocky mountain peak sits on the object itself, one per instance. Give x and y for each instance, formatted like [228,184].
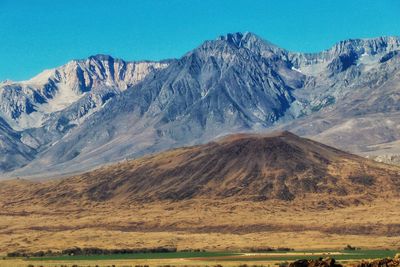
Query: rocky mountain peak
[250,41]
[101,57]
[238,39]
[368,46]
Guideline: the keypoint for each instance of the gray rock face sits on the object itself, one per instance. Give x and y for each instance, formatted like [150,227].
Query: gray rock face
[393,159]
[14,153]
[115,110]
[27,104]
[43,109]
[363,108]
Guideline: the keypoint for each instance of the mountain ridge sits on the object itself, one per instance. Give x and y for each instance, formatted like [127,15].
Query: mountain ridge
[238,82]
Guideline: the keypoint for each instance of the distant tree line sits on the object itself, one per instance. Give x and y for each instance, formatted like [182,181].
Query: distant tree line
[91,251]
[192,250]
[269,249]
[99,251]
[77,251]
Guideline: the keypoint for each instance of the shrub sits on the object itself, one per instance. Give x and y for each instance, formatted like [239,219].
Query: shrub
[349,247]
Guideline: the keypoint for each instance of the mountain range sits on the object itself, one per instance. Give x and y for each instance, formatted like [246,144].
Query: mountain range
[101,110]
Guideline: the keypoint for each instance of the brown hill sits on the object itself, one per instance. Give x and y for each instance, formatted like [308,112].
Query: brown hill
[279,166]
[211,197]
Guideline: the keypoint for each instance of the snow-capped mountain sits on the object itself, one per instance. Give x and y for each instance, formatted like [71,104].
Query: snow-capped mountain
[37,112]
[29,104]
[101,110]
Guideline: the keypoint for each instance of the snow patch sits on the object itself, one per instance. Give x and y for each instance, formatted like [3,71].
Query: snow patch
[41,78]
[313,69]
[295,69]
[26,121]
[368,62]
[64,97]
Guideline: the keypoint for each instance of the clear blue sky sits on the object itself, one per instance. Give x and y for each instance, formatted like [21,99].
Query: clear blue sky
[40,34]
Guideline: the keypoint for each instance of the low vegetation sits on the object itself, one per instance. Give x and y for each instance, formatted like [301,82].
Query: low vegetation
[94,251]
[76,251]
[164,254]
[319,262]
[268,249]
[349,247]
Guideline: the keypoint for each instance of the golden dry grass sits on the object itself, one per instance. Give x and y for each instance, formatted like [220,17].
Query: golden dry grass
[229,195]
[204,224]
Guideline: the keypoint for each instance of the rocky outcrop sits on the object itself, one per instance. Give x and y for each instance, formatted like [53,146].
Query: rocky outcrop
[327,262]
[388,262]
[387,158]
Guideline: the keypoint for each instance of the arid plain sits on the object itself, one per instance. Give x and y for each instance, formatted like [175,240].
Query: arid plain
[203,224]
[275,190]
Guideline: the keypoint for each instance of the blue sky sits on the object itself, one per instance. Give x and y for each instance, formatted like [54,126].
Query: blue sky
[40,34]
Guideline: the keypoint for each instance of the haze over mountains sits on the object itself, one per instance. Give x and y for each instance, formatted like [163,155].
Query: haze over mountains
[100,110]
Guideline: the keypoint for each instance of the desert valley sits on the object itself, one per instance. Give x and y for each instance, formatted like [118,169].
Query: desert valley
[237,153]
[244,192]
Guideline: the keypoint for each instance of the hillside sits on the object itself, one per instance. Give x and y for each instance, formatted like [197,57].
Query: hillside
[278,166]
[238,192]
